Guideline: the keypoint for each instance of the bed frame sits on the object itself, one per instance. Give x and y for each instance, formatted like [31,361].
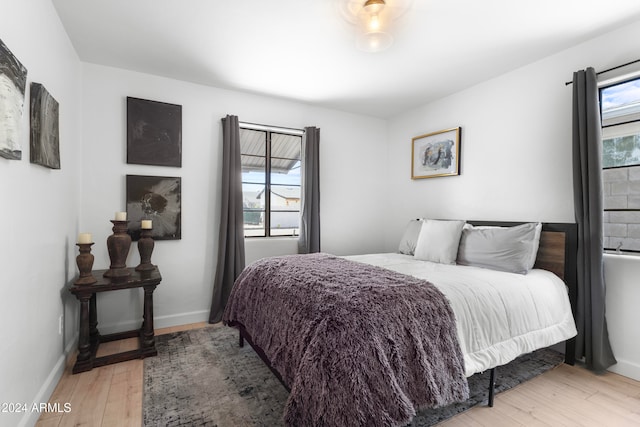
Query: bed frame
[557,253]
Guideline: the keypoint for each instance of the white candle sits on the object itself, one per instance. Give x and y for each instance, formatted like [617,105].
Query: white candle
[146,224]
[84,238]
[121,216]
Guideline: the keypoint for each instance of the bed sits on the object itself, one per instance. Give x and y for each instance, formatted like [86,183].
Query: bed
[370,339]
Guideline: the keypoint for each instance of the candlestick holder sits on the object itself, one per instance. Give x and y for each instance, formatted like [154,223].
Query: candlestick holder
[145,247]
[118,245]
[85,264]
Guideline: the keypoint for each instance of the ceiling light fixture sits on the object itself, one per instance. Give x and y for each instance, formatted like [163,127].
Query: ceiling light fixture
[374,38]
[373,19]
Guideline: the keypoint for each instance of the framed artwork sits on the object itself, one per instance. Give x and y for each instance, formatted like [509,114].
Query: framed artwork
[13,81]
[154,133]
[436,154]
[45,134]
[157,198]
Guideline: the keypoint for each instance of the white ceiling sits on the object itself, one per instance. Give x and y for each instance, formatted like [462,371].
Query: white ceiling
[304,49]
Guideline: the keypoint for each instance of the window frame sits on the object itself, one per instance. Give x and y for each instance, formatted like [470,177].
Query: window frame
[268,185]
[601,87]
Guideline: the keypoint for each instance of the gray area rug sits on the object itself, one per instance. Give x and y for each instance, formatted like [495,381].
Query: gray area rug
[202,377]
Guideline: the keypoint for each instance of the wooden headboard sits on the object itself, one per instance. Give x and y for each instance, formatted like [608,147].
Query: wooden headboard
[558,253]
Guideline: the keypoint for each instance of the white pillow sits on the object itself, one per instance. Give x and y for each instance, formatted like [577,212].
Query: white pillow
[410,237]
[438,241]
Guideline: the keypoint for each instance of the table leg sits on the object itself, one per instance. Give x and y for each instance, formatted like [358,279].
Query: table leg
[148,341]
[93,320]
[144,311]
[84,346]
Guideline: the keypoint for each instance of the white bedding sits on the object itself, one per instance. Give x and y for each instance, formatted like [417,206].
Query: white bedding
[499,315]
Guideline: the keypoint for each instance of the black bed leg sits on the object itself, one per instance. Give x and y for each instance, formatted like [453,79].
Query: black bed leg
[241,339]
[570,351]
[492,386]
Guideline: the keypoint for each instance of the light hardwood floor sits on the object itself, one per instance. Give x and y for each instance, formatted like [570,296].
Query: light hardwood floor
[565,396]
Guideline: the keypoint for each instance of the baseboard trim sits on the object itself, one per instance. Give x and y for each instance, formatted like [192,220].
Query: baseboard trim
[30,418]
[181,319]
[627,369]
[158,322]
[45,392]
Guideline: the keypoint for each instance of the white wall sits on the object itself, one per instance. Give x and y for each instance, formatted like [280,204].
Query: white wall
[39,216]
[516,152]
[621,275]
[516,162]
[352,173]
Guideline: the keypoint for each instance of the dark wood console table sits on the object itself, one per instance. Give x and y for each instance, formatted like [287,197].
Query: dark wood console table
[90,338]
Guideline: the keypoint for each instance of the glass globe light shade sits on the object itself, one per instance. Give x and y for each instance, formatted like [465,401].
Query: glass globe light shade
[374,41]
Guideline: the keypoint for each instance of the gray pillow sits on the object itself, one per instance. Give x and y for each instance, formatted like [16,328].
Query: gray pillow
[511,249]
[410,237]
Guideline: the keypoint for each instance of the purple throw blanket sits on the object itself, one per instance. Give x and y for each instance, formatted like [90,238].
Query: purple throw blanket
[358,345]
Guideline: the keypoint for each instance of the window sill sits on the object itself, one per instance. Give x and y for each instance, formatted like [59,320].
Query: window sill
[622,256]
[272,237]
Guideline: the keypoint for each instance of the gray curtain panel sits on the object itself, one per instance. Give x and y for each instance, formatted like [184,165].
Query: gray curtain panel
[309,240]
[231,259]
[592,341]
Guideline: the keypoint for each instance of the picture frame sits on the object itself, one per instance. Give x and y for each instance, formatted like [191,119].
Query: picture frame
[154,133]
[436,154]
[13,83]
[45,129]
[157,198]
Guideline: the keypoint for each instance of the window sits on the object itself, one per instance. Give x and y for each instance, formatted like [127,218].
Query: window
[620,106]
[271,181]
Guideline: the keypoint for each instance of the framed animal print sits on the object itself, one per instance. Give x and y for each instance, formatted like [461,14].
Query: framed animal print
[436,154]
[155,198]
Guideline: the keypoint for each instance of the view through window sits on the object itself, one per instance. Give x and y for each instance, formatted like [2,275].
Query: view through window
[620,105]
[271,182]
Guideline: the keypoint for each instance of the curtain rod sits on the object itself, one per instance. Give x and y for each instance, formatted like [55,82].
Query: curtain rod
[608,69]
[270,127]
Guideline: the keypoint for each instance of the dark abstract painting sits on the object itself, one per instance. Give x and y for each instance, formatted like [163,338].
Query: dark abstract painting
[154,133]
[45,135]
[156,198]
[13,80]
